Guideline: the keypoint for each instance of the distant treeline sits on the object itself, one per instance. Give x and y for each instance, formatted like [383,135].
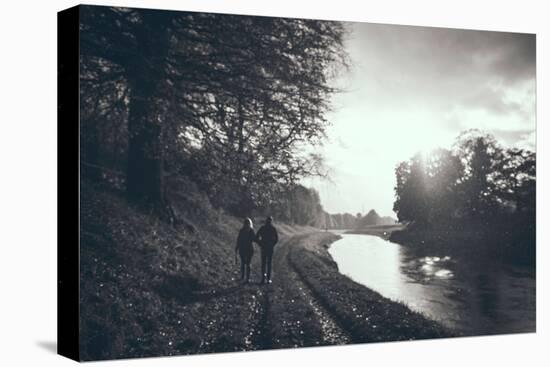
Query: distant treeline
[477,194]
[349,221]
[302,206]
[228,101]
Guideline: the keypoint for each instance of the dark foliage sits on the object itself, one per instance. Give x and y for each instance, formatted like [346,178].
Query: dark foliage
[478,188]
[228,100]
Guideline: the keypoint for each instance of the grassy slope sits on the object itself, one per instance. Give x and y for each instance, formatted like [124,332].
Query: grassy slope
[144,284]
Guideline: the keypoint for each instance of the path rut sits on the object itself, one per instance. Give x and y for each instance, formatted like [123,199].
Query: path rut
[293,316]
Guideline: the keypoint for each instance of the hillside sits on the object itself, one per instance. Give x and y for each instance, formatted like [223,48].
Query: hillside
[141,277]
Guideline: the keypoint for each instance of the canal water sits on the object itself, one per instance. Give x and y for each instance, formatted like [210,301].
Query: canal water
[472,297]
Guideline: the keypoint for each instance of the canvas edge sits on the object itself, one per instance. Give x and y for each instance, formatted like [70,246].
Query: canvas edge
[68,182]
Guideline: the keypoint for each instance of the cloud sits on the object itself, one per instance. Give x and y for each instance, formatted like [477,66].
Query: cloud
[437,65]
[492,100]
[527,141]
[515,56]
[451,52]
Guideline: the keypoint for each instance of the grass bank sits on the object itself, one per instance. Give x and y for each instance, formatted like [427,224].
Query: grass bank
[365,314]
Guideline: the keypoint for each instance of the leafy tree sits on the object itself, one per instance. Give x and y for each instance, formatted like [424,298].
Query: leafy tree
[478,186]
[444,173]
[412,197]
[231,98]
[482,158]
[131,48]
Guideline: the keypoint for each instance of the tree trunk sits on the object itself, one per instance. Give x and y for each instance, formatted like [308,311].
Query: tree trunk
[90,146]
[145,154]
[144,181]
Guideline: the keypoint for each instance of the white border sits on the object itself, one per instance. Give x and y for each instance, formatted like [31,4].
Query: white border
[28,191]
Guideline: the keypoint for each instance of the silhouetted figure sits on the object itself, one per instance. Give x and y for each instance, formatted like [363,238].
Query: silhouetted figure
[245,248]
[267,238]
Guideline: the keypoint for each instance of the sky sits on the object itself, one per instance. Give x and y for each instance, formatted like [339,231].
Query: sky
[412,89]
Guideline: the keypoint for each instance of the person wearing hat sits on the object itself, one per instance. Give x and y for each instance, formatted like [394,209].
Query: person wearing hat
[267,238]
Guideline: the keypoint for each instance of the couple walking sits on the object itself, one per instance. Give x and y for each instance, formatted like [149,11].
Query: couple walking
[266,237]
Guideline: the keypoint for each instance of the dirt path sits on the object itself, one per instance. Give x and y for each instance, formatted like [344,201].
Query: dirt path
[293,317]
[284,314]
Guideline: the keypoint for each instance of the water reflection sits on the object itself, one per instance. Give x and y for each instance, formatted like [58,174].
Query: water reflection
[475,297]
[428,267]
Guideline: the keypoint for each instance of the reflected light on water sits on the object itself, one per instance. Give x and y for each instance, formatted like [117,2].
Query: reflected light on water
[436,266]
[474,299]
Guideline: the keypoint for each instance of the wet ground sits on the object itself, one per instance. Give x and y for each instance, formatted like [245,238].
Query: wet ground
[283,314]
[304,306]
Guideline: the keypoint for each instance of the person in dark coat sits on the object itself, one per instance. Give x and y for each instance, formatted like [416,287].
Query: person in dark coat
[245,248]
[267,238]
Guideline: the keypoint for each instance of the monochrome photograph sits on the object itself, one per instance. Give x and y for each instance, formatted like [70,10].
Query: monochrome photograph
[257,182]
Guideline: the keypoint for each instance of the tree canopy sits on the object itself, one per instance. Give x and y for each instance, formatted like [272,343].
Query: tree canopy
[228,100]
[477,186]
